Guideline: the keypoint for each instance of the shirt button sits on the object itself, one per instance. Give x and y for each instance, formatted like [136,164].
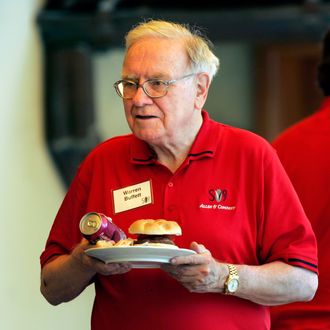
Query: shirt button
[170,184]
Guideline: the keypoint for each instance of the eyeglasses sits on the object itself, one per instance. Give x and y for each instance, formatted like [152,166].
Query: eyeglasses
[154,88]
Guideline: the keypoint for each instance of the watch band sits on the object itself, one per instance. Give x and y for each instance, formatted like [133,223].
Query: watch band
[232,269]
[232,282]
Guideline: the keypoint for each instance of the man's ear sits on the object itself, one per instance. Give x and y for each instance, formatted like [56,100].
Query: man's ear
[203,84]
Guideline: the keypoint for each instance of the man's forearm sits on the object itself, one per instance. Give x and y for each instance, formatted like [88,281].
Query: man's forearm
[270,284]
[64,279]
[276,283]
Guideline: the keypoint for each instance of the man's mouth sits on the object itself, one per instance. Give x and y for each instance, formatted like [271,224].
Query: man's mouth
[144,117]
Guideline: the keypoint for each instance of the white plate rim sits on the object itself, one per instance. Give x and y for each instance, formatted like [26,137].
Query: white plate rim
[138,256]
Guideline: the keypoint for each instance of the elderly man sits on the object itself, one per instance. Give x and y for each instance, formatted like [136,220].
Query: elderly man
[225,187]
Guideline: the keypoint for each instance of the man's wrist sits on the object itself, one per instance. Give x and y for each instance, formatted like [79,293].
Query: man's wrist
[232,281]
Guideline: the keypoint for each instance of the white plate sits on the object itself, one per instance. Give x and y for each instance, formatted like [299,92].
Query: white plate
[139,256]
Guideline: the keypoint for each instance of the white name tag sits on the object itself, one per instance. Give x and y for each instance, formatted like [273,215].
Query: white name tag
[131,197]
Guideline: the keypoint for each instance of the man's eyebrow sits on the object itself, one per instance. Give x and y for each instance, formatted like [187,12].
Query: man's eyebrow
[160,76]
[131,78]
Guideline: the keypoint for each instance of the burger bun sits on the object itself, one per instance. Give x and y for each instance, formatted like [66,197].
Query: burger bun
[155,227]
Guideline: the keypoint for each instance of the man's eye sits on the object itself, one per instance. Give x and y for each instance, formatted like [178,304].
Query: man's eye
[129,84]
[156,83]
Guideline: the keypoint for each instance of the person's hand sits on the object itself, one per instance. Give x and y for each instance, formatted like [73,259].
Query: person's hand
[93,264]
[198,272]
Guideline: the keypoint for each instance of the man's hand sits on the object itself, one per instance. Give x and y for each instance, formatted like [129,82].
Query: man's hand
[270,284]
[198,272]
[96,265]
[65,277]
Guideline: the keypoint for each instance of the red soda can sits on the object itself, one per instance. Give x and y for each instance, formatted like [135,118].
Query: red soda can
[96,226]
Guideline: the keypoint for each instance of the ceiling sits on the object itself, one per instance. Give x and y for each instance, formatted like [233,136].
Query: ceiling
[103,24]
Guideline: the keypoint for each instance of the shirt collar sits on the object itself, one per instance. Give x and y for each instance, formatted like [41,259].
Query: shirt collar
[141,153]
[203,146]
[206,139]
[325,103]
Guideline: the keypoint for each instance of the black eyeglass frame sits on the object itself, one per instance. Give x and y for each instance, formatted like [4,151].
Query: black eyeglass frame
[167,84]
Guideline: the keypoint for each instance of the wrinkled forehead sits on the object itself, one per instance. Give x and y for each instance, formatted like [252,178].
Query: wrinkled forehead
[150,55]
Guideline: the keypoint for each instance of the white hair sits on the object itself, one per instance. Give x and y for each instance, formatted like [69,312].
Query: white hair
[198,47]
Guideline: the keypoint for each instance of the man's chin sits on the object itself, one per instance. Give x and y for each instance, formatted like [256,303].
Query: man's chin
[150,136]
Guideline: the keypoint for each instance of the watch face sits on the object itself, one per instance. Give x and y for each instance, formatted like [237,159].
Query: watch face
[233,285]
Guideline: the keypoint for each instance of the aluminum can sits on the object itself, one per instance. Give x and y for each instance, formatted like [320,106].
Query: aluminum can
[96,226]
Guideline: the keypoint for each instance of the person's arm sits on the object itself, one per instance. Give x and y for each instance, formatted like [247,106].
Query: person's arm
[64,278]
[270,284]
[276,283]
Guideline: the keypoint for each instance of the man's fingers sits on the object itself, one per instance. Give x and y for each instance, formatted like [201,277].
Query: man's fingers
[115,268]
[195,259]
[199,248]
[202,257]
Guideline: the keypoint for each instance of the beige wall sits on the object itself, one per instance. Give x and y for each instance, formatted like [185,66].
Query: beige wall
[30,190]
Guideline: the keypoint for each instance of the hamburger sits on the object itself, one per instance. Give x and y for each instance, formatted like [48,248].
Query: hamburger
[158,232]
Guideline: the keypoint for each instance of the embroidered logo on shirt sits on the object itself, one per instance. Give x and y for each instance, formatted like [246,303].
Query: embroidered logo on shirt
[217,196]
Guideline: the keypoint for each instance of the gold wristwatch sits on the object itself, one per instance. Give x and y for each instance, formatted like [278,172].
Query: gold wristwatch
[232,282]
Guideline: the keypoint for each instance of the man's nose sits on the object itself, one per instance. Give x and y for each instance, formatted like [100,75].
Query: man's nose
[141,97]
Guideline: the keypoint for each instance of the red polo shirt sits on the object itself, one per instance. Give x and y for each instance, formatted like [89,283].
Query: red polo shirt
[304,152]
[230,194]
